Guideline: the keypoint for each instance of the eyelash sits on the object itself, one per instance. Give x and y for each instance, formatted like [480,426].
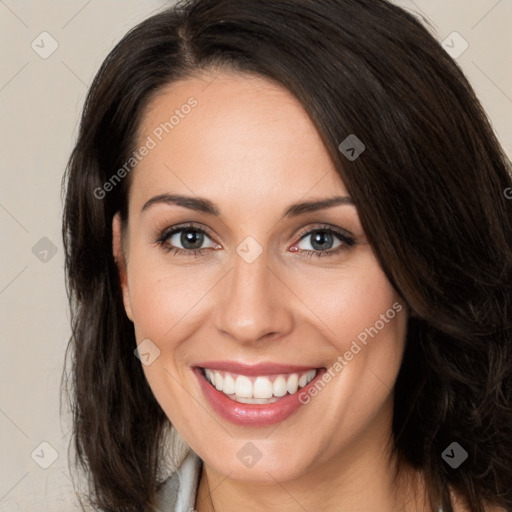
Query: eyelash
[346,241]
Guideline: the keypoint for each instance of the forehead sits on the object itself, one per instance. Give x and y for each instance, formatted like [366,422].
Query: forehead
[228,134]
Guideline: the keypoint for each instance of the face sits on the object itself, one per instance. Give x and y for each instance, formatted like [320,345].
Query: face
[263,296]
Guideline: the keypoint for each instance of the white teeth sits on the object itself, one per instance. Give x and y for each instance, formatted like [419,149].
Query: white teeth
[262,388]
[218,380]
[228,386]
[311,375]
[242,389]
[303,380]
[292,383]
[279,386]
[256,400]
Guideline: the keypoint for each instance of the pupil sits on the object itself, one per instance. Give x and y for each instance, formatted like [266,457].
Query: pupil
[321,239]
[191,237]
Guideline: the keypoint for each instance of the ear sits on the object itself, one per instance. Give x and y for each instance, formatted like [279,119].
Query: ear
[119,258]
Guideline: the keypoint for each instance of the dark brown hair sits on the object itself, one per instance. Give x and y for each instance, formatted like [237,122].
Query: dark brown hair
[429,189]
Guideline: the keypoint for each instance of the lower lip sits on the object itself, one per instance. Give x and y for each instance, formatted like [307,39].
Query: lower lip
[253,415]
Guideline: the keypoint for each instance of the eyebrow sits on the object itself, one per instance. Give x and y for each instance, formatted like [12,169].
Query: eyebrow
[203,205]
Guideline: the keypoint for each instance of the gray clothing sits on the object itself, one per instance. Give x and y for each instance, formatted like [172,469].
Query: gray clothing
[178,492]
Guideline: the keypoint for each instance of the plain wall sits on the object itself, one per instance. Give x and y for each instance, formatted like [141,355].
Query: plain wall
[40,102]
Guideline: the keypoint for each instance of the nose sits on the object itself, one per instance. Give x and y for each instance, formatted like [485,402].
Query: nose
[253,303]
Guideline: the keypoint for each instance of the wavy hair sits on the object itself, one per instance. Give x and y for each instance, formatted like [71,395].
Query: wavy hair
[429,189]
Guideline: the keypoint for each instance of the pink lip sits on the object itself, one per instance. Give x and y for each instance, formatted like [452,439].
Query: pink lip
[253,369]
[253,415]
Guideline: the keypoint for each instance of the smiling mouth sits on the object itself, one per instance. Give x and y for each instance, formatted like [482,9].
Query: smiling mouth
[258,389]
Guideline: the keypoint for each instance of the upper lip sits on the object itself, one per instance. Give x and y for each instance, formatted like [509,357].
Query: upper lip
[267,368]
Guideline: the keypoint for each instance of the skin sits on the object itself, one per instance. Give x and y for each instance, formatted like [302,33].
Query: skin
[250,148]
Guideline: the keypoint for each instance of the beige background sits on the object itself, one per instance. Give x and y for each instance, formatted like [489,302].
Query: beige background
[40,103]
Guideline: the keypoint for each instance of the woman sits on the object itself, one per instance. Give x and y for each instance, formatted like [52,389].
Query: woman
[337,335]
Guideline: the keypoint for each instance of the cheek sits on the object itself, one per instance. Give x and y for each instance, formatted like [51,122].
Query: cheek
[164,298]
[351,303]
[163,311]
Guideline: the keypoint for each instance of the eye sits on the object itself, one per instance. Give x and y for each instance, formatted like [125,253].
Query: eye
[189,240]
[324,241]
[185,239]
